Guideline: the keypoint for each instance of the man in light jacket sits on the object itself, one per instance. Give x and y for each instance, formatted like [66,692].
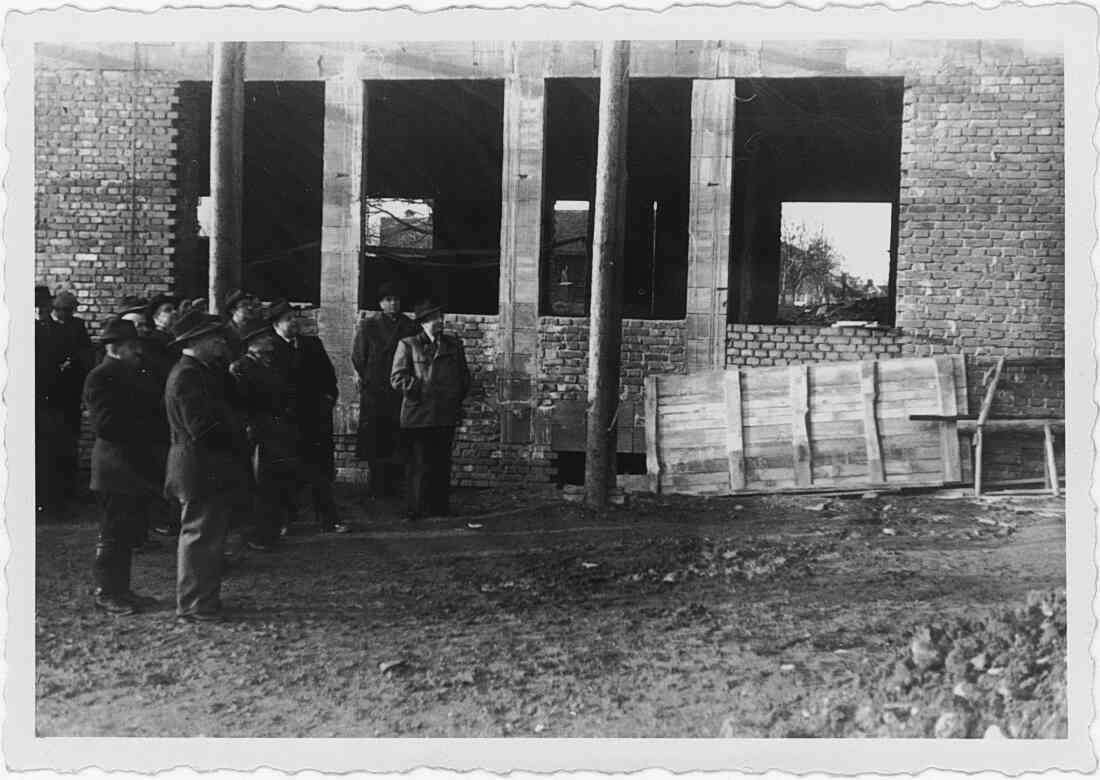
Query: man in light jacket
[430,371]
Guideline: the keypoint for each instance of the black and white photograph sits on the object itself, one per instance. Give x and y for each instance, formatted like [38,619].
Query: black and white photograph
[652,386]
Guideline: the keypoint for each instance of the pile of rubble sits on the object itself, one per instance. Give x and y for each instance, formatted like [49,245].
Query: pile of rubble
[1001,676]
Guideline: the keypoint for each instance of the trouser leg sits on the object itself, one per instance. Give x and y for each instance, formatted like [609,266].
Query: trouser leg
[417,470]
[118,524]
[440,489]
[205,522]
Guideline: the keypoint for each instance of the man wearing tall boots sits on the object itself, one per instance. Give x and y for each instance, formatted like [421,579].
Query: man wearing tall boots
[376,340]
[430,371]
[123,408]
[272,434]
[207,461]
[312,384]
[76,355]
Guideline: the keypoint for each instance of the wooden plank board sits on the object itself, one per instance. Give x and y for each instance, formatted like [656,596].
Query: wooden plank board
[800,435]
[949,439]
[652,461]
[870,422]
[735,442]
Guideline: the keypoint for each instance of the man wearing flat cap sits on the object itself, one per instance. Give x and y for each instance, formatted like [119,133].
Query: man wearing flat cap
[430,372]
[124,409]
[75,355]
[376,341]
[272,434]
[312,385]
[207,460]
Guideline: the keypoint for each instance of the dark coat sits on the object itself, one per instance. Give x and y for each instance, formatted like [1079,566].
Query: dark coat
[272,433]
[376,341]
[125,411]
[75,354]
[312,386]
[159,357]
[433,379]
[208,455]
[46,364]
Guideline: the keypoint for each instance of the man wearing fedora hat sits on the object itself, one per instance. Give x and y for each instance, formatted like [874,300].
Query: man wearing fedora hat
[207,460]
[430,371]
[376,341]
[311,379]
[124,409]
[272,433]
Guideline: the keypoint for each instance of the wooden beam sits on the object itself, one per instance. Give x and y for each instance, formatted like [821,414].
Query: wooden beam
[735,440]
[226,171]
[987,404]
[800,435]
[605,330]
[869,386]
[652,405]
[1020,425]
[949,437]
[1052,464]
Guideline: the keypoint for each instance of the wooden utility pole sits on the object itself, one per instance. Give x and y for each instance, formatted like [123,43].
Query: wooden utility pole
[226,171]
[605,326]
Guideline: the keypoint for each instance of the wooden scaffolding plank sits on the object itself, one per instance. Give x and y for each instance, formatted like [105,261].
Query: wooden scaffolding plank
[735,442]
[652,467]
[949,437]
[800,434]
[875,471]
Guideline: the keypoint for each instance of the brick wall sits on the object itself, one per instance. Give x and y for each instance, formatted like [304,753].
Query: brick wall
[780,345]
[104,185]
[981,250]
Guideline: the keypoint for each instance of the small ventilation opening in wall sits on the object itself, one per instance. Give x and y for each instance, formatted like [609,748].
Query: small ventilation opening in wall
[570,466]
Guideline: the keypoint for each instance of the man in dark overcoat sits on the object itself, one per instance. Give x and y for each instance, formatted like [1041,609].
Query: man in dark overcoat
[75,355]
[376,340]
[124,408]
[47,420]
[430,371]
[312,385]
[240,312]
[272,434]
[207,460]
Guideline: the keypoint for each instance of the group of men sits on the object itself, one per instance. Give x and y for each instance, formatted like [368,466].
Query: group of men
[205,422]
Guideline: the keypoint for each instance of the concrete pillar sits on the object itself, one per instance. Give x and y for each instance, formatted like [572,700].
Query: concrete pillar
[520,237]
[226,172]
[712,114]
[340,233]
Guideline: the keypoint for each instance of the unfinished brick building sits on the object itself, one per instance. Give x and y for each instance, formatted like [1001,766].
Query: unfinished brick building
[482,145]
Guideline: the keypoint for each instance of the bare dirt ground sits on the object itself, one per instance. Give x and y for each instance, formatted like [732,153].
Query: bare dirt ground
[671,617]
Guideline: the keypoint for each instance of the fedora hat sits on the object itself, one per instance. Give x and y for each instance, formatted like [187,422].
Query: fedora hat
[117,329]
[132,304]
[427,309]
[278,309]
[42,295]
[192,325]
[235,299]
[255,329]
[390,289]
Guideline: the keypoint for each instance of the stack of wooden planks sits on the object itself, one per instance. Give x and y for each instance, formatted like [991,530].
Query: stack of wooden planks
[805,426]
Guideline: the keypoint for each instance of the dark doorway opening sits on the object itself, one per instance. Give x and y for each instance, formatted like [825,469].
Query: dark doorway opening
[432,191]
[570,466]
[804,140]
[654,283]
[282,187]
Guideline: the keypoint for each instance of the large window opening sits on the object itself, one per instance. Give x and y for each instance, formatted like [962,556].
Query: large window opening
[816,186]
[654,278]
[432,191]
[282,189]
